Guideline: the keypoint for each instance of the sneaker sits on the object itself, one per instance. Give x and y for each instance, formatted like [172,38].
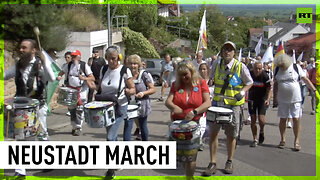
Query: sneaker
[228,168]
[261,137]
[160,99]
[110,174]
[138,137]
[136,132]
[211,169]
[289,124]
[68,113]
[43,137]
[201,147]
[76,132]
[19,176]
[254,143]
[312,113]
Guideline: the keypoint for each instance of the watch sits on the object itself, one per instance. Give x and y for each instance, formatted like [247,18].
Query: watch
[195,112]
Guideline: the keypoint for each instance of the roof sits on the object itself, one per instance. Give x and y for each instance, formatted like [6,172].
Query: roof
[255,31]
[286,27]
[305,38]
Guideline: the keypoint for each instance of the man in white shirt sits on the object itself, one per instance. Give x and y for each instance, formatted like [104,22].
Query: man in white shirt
[31,75]
[78,75]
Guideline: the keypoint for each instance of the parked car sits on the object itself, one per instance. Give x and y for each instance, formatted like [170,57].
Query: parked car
[154,67]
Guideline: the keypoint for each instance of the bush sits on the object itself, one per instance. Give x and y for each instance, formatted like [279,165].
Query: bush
[169,50]
[136,43]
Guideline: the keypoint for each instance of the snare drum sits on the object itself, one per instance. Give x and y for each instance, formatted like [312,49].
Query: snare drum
[24,115]
[133,111]
[220,115]
[99,114]
[187,135]
[68,96]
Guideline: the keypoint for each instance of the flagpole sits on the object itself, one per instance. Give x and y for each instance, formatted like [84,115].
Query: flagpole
[198,44]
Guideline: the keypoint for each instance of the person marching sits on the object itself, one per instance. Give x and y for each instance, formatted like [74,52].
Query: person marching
[144,88]
[96,63]
[166,69]
[78,75]
[115,84]
[287,96]
[232,77]
[32,73]
[258,100]
[188,100]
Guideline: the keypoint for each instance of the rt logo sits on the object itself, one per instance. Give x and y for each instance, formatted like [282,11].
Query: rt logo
[304,15]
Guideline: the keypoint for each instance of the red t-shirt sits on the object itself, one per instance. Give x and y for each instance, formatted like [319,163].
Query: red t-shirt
[195,99]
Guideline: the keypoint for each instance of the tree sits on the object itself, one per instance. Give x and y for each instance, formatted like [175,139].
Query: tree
[21,19]
[141,17]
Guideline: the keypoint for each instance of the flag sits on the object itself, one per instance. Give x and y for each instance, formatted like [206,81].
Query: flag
[240,54]
[249,54]
[280,50]
[268,55]
[258,46]
[51,86]
[203,32]
[300,57]
[294,56]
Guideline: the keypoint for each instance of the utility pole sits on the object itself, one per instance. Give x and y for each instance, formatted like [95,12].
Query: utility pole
[109,27]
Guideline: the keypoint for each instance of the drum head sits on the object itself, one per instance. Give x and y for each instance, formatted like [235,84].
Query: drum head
[220,110]
[98,104]
[183,126]
[22,102]
[67,89]
[132,107]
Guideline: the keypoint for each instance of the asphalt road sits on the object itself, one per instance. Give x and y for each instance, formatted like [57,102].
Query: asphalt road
[263,160]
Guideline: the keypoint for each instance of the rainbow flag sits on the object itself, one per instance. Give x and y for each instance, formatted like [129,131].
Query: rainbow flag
[203,32]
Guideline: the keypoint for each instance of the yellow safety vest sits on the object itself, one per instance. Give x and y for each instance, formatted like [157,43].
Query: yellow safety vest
[318,72]
[230,91]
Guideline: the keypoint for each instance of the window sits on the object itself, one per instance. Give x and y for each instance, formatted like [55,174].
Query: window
[150,64]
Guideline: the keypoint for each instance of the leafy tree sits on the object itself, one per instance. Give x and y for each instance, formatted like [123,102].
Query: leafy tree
[21,19]
[169,50]
[136,43]
[141,17]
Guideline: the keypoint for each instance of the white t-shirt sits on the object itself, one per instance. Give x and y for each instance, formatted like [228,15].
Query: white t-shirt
[74,80]
[288,85]
[110,83]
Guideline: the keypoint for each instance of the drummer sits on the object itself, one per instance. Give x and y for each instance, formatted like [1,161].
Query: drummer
[79,75]
[232,77]
[116,83]
[188,99]
[32,66]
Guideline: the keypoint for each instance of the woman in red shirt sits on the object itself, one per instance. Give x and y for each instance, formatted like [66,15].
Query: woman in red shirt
[188,99]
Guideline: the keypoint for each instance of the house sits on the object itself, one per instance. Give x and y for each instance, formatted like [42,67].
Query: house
[85,42]
[280,31]
[305,43]
[167,10]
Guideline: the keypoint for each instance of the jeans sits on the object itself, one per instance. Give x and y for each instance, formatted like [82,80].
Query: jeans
[142,125]
[112,131]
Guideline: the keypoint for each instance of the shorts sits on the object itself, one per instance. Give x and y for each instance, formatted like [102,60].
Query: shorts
[289,110]
[259,105]
[231,129]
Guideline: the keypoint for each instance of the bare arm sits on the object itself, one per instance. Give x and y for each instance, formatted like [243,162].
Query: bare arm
[275,93]
[170,105]
[130,90]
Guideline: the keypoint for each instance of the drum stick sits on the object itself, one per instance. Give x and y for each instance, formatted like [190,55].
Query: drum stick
[37,32]
[8,118]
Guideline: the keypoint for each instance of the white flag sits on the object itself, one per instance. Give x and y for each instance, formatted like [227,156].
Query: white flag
[258,46]
[249,54]
[203,32]
[294,56]
[268,55]
[240,54]
[300,57]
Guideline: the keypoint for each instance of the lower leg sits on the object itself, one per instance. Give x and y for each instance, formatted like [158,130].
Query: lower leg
[282,128]
[296,129]
[231,145]
[254,126]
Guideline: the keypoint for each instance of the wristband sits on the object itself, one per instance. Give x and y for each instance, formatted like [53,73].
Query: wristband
[141,93]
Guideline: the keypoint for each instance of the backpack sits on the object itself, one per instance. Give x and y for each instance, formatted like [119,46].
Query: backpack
[295,67]
[82,68]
